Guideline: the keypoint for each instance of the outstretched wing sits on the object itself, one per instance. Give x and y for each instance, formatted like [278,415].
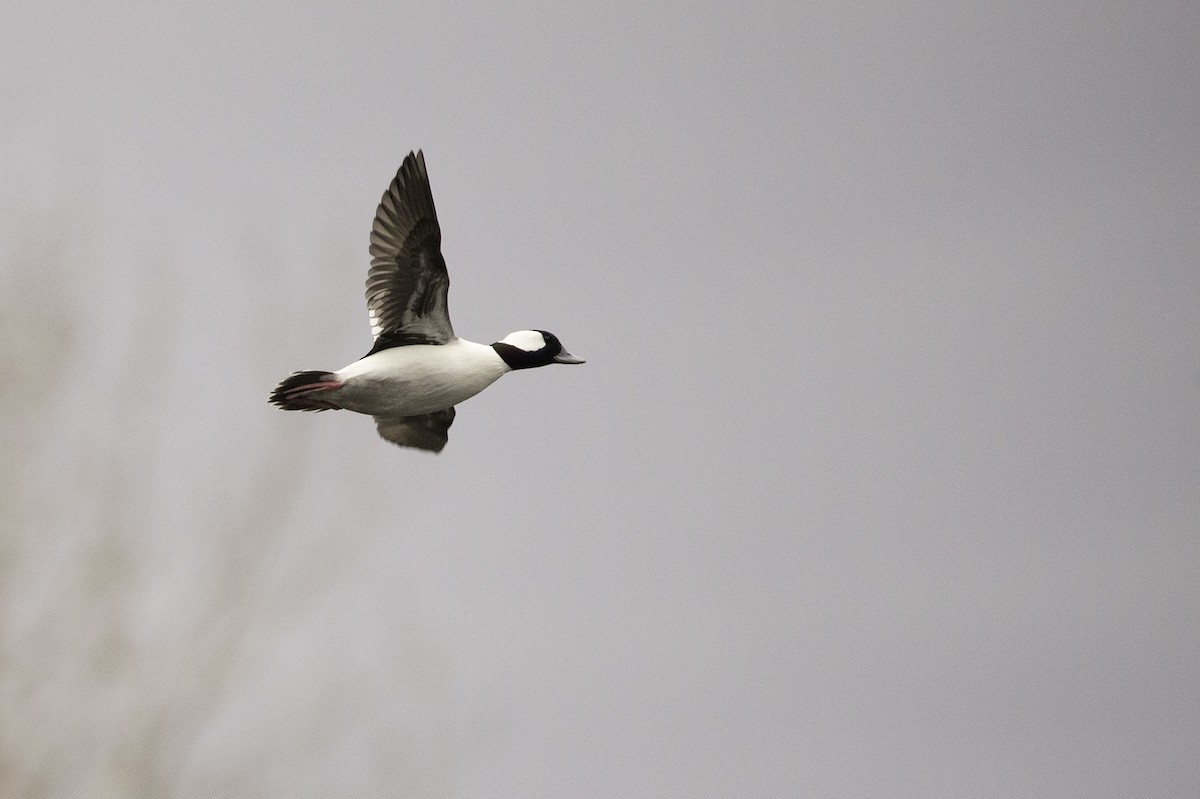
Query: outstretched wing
[428,431]
[407,283]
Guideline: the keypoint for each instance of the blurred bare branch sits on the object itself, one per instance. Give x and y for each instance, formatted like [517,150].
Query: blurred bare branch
[103,688]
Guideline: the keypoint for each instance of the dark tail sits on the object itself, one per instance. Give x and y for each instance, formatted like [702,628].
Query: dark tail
[301,391]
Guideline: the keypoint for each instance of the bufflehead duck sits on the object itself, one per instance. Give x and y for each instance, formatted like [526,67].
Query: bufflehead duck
[417,370]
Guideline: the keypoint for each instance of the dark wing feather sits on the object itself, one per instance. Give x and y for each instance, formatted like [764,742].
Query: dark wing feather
[407,283]
[429,431]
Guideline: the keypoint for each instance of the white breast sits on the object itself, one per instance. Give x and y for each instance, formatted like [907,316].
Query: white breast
[419,378]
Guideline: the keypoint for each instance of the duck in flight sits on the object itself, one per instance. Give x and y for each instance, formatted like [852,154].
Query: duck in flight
[417,370]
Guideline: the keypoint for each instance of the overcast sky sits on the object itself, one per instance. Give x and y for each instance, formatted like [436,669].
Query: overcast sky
[882,477]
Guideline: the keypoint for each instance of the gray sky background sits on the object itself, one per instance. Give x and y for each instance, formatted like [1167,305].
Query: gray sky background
[882,478]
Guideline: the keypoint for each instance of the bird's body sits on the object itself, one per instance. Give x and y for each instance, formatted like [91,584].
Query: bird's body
[417,379]
[418,369]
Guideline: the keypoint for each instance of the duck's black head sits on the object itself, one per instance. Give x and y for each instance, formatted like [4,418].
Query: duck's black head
[526,349]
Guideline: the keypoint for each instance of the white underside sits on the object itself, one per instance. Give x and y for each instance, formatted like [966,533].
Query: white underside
[416,379]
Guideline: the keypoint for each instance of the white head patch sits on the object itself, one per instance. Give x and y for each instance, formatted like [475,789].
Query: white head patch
[528,340]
